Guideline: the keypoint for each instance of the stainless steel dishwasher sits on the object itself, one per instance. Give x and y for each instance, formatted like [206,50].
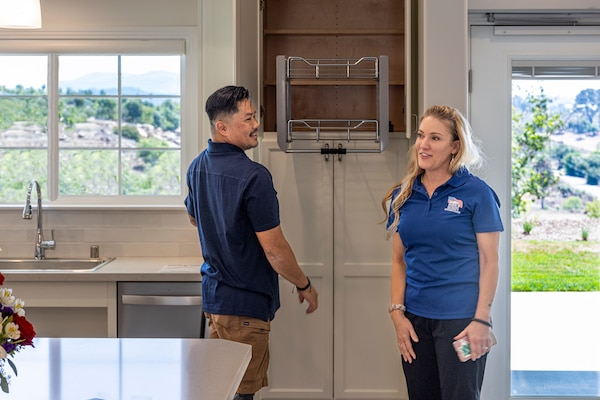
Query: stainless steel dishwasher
[160,310]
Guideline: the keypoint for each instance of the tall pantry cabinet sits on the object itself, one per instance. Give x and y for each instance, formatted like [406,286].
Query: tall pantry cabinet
[330,199]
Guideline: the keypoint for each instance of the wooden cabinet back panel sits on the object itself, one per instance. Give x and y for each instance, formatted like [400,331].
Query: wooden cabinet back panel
[334,14]
[333,29]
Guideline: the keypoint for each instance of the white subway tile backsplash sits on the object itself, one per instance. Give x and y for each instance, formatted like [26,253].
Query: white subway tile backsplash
[130,233]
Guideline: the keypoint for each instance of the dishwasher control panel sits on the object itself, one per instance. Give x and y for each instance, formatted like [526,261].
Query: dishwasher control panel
[160,310]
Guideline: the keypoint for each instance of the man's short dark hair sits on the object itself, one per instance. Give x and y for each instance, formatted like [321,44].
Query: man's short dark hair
[225,101]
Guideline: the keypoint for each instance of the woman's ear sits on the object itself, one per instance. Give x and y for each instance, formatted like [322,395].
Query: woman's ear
[456,146]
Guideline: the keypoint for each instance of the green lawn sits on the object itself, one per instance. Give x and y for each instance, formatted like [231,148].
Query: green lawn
[548,266]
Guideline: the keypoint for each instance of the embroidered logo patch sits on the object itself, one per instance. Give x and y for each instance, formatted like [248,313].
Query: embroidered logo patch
[454,205]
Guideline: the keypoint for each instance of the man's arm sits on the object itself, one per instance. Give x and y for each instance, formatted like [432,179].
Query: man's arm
[282,259]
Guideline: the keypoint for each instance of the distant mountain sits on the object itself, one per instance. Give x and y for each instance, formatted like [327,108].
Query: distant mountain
[156,83]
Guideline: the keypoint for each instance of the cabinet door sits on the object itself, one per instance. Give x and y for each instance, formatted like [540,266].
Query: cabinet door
[331,216]
[367,363]
[69,309]
[301,345]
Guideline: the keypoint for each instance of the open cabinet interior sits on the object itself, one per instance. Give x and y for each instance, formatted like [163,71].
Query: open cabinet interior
[328,30]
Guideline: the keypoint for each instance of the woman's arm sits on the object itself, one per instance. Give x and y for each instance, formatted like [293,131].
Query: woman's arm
[478,332]
[487,244]
[405,333]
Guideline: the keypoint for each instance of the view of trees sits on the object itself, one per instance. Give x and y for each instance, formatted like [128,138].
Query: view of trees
[147,136]
[30,105]
[537,161]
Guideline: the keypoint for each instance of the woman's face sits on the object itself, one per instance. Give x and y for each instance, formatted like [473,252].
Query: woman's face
[435,145]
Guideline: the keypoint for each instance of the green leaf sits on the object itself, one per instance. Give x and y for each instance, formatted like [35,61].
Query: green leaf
[4,383]
[13,366]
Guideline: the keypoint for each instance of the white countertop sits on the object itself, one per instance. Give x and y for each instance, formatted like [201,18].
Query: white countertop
[123,369]
[123,269]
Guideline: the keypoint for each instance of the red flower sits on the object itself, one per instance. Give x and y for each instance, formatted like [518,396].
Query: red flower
[26,329]
[1,279]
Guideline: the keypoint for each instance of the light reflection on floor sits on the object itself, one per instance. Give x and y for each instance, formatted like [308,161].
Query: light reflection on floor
[554,346]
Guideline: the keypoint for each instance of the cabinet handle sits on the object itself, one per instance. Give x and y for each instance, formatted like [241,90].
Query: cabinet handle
[161,300]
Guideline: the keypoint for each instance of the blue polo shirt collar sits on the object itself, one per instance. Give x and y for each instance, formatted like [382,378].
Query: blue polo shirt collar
[220,147]
[460,177]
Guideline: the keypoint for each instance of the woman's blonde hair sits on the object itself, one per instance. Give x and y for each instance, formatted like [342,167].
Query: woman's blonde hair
[468,156]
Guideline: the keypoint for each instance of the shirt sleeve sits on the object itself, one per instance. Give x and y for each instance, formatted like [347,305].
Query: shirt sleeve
[189,200]
[486,215]
[390,218]
[262,205]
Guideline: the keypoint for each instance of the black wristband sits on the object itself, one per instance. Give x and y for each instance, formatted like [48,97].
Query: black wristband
[301,289]
[481,322]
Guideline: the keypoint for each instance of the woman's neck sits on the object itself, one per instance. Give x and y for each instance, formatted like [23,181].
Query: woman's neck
[432,181]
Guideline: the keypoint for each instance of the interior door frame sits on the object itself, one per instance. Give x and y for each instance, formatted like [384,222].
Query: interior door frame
[492,52]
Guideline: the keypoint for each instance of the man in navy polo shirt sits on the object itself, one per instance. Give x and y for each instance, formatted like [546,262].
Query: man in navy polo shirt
[232,202]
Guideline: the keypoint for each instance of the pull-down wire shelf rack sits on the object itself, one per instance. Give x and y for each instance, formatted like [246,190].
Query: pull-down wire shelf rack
[362,135]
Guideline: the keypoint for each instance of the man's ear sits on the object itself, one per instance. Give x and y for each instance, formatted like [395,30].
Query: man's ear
[221,127]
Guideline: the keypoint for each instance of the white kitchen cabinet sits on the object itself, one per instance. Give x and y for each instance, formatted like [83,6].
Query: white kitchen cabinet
[74,304]
[69,309]
[330,205]
[331,214]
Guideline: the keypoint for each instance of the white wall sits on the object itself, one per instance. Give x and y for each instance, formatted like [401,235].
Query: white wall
[443,35]
[63,14]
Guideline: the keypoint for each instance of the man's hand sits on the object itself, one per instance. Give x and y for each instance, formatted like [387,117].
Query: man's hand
[311,296]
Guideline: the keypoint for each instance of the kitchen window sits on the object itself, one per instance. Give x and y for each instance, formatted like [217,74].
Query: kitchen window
[95,122]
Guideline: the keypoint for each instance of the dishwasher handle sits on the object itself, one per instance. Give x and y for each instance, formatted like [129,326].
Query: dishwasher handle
[151,300]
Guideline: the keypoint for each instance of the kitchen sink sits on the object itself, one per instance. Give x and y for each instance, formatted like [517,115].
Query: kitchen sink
[53,264]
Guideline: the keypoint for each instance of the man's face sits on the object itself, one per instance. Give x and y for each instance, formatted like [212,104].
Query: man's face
[241,128]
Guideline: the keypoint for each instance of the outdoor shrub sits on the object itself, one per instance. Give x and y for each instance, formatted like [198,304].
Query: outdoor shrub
[584,233]
[593,208]
[593,168]
[565,190]
[527,227]
[130,132]
[572,204]
[574,164]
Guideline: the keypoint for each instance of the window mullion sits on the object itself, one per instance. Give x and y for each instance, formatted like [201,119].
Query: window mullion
[52,127]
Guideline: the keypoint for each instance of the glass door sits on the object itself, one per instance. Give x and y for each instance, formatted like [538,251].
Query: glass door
[555,241]
[547,335]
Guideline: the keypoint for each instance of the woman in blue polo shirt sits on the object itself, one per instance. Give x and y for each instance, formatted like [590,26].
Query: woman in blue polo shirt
[445,224]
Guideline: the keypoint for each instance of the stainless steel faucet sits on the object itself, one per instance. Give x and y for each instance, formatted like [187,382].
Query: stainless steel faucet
[40,244]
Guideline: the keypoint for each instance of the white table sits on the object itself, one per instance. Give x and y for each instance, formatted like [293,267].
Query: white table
[127,369]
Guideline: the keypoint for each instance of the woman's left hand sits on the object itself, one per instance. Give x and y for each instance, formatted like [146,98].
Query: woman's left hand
[479,339]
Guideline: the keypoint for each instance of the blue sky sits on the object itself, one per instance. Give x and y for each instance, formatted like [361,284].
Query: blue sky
[565,89]
[31,71]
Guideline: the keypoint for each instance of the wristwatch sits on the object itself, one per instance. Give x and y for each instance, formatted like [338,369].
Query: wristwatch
[400,307]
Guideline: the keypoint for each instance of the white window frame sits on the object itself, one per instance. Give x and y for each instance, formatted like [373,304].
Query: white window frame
[134,41]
